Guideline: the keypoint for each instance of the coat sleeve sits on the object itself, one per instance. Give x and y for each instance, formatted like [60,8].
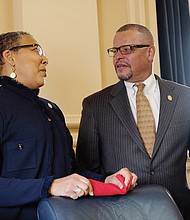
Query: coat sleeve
[87,151]
[16,192]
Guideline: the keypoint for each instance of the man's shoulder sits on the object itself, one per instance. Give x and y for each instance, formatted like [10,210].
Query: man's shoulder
[175,85]
[105,92]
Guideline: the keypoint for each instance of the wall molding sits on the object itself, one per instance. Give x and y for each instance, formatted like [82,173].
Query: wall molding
[72,122]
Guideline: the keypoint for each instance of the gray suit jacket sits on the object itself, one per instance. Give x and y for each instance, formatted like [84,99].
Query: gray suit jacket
[109,140]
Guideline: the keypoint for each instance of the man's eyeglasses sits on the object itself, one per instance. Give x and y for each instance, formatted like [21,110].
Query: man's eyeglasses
[125,49]
[38,47]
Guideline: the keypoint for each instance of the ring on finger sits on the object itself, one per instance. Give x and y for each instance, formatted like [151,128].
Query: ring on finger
[77,191]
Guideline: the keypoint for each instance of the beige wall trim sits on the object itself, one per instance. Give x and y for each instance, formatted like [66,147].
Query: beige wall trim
[72,122]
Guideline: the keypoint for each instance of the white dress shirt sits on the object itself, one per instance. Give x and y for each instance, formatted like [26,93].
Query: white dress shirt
[151,91]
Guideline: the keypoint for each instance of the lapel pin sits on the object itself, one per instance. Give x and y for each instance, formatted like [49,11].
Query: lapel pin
[170,98]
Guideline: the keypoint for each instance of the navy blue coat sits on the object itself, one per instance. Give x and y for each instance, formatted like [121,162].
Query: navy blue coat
[35,147]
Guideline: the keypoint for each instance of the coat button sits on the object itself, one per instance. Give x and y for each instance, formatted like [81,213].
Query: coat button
[20,146]
[50,105]
[152,172]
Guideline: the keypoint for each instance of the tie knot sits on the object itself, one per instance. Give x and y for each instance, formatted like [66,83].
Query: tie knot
[140,86]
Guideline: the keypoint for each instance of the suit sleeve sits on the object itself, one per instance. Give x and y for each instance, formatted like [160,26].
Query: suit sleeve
[87,152]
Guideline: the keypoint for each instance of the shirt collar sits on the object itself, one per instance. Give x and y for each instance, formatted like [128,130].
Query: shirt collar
[150,85]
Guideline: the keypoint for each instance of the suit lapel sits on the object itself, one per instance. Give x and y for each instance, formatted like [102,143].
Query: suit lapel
[168,100]
[121,106]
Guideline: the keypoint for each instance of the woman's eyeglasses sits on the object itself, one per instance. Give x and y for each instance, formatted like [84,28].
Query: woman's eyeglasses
[38,47]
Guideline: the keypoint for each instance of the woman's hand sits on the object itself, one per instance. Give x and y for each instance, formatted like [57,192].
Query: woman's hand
[126,174]
[73,186]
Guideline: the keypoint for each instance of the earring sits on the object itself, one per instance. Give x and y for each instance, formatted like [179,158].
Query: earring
[13,74]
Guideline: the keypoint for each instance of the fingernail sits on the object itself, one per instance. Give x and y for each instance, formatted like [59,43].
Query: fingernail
[121,186]
[91,193]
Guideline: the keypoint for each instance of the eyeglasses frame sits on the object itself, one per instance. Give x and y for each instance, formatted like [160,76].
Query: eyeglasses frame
[40,50]
[132,47]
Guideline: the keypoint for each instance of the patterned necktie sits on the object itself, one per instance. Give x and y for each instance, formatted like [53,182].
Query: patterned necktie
[145,120]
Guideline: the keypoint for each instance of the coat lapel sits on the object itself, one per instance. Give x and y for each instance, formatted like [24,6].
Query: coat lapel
[120,104]
[168,100]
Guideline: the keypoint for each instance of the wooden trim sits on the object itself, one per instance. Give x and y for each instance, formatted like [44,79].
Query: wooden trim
[72,122]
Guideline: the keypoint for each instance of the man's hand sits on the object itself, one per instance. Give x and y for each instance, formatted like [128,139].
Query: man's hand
[126,174]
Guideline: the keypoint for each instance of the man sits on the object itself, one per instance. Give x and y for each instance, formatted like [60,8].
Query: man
[109,136]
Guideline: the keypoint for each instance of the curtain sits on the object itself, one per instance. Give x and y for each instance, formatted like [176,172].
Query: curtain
[174,40]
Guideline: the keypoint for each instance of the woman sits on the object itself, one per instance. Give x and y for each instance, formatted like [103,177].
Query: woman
[36,155]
